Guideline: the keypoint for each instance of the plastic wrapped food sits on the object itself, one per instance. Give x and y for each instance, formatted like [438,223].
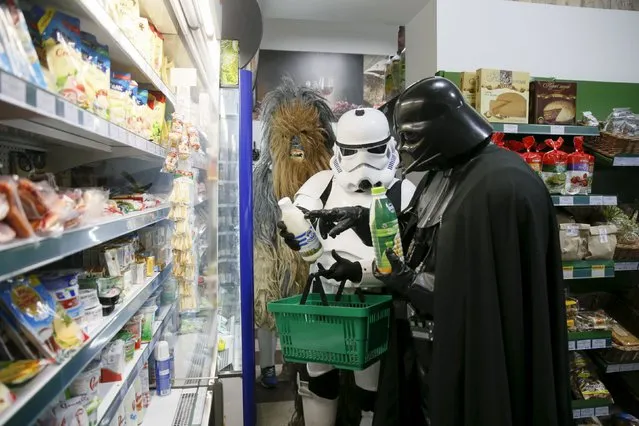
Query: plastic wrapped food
[597,320]
[113,364]
[578,175]
[623,337]
[194,138]
[15,217]
[7,234]
[553,171]
[533,159]
[602,242]
[14,373]
[170,163]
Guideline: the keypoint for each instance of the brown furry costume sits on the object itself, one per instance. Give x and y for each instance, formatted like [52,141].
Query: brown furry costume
[297,143]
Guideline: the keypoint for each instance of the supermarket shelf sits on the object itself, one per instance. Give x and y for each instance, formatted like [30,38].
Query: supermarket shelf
[626,266]
[583,409]
[112,394]
[583,269]
[26,106]
[543,129]
[584,200]
[25,255]
[120,48]
[586,340]
[35,396]
[622,367]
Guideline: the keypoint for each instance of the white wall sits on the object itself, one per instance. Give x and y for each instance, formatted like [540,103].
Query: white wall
[546,40]
[334,37]
[421,44]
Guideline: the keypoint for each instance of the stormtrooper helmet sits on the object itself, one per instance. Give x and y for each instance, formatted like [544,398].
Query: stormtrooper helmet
[365,153]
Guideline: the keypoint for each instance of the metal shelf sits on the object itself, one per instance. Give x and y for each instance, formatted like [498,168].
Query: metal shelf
[112,394]
[584,200]
[24,255]
[583,269]
[27,107]
[622,367]
[35,396]
[586,340]
[544,129]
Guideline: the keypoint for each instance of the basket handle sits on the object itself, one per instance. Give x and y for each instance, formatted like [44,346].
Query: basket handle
[314,279]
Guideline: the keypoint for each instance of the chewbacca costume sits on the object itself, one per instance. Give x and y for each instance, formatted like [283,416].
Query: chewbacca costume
[297,142]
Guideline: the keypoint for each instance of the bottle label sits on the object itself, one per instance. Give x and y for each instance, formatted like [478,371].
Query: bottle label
[163,377]
[384,237]
[309,243]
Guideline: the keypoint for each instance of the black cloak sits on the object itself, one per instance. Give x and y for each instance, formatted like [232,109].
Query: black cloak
[499,356]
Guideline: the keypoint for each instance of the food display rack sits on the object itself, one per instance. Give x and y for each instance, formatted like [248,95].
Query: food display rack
[36,119]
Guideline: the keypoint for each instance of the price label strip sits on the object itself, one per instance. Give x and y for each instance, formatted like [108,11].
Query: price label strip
[568,272]
[571,345]
[557,130]
[13,87]
[598,271]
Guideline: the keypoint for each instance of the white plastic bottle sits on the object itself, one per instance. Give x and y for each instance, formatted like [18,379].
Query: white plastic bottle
[310,246]
[162,368]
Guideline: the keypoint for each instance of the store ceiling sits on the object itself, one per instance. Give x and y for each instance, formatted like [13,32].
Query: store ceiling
[395,12]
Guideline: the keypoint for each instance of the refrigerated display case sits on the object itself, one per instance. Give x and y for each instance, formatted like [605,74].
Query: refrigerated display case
[99,257]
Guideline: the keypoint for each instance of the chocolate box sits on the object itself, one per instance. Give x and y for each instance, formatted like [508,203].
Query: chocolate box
[502,95]
[468,86]
[553,102]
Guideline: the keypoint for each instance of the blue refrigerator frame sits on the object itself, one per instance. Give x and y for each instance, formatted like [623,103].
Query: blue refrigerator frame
[246,247]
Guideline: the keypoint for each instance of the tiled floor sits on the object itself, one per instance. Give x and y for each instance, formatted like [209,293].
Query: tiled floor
[274,413]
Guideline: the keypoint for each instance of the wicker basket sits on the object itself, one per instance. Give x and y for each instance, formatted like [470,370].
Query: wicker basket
[611,145]
[625,252]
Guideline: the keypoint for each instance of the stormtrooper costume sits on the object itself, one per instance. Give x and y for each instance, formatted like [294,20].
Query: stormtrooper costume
[365,155]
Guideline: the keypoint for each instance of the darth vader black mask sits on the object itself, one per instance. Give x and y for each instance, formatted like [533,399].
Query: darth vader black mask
[435,125]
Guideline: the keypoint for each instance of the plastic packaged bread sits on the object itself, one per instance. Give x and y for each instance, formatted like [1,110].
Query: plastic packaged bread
[623,337]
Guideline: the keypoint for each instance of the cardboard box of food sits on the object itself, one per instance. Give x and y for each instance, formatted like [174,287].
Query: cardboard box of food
[553,102]
[467,85]
[502,95]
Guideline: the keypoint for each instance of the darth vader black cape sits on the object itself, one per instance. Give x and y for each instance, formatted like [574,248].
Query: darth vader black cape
[499,356]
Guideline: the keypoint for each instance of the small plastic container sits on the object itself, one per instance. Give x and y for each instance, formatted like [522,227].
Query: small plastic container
[87,382]
[134,326]
[148,317]
[63,286]
[169,292]
[129,345]
[93,314]
[89,298]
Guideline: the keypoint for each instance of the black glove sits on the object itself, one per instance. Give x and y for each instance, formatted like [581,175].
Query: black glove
[341,270]
[335,221]
[400,278]
[417,288]
[289,237]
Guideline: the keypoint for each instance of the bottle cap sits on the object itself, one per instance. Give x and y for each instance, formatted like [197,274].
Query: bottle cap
[285,202]
[378,190]
[162,351]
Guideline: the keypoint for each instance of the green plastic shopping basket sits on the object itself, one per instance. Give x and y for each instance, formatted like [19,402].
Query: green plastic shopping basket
[347,331]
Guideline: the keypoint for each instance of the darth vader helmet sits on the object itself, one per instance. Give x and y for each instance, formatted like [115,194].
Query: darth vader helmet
[435,126]
[365,153]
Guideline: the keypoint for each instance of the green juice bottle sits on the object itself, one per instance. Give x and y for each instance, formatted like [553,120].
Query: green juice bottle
[384,229]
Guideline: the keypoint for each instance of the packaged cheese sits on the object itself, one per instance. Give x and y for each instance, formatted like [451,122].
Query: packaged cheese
[18,44]
[61,43]
[502,95]
[157,105]
[98,73]
[157,43]
[119,98]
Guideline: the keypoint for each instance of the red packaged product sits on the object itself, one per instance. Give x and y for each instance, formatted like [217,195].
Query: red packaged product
[553,169]
[498,139]
[532,158]
[579,170]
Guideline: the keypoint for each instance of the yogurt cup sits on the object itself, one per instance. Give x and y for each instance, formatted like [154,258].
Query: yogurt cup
[134,326]
[148,316]
[93,314]
[89,298]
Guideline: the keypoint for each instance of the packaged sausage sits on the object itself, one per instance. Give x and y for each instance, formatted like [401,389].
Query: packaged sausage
[15,217]
[578,174]
[119,95]
[533,159]
[553,171]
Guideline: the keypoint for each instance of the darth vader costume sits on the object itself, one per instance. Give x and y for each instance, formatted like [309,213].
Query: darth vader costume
[483,341]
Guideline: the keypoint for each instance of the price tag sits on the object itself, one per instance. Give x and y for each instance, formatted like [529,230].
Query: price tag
[625,161]
[599,343]
[626,266]
[114,131]
[70,112]
[13,87]
[587,412]
[511,128]
[576,414]
[140,143]
[557,130]
[614,368]
[602,411]
[596,200]
[568,272]
[627,367]
[566,201]
[571,345]
[583,345]
[609,200]
[45,101]
[131,139]
[598,271]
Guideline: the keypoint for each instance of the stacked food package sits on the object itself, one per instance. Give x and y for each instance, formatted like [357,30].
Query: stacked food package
[584,380]
[183,139]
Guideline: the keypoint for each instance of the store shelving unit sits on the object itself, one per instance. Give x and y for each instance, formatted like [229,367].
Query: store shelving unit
[544,129]
[36,394]
[583,269]
[25,255]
